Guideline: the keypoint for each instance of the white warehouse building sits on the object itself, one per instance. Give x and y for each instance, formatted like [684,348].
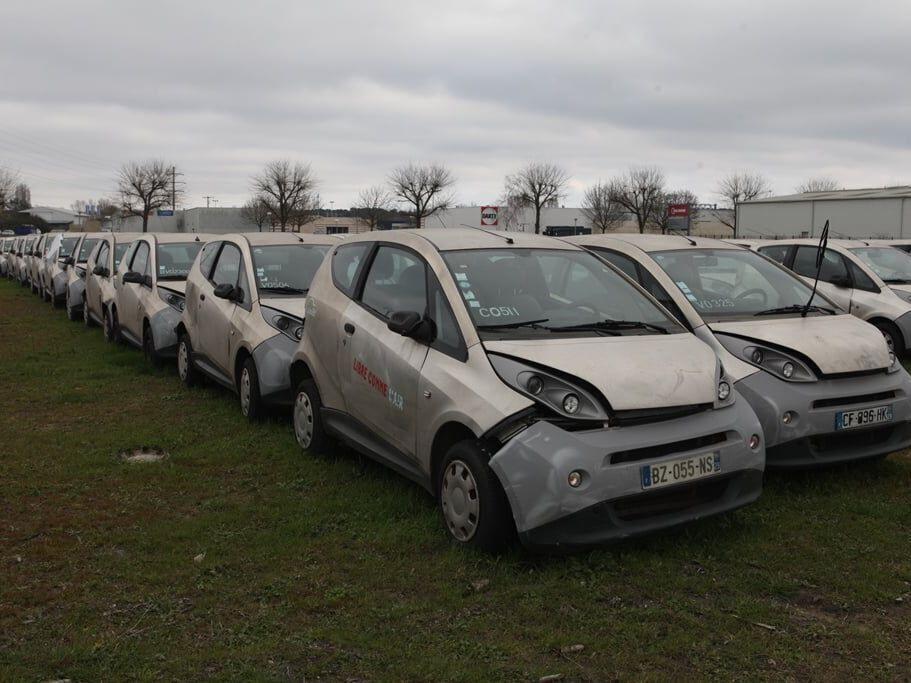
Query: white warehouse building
[877,212]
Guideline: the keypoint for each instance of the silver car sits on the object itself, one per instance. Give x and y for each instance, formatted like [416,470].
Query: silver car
[33,262]
[870,281]
[825,386]
[54,268]
[245,313]
[6,246]
[149,292]
[525,383]
[76,274]
[99,280]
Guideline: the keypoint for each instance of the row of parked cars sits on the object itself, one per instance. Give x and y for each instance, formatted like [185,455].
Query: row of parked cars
[572,392]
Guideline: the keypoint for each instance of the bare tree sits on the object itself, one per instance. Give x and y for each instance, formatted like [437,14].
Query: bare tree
[287,189]
[537,185]
[372,204]
[599,207]
[22,198]
[257,212]
[736,188]
[819,184]
[510,212]
[640,191]
[144,187]
[426,189]
[661,219]
[8,181]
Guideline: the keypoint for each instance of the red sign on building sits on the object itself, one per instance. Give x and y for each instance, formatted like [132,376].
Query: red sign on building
[678,210]
[490,215]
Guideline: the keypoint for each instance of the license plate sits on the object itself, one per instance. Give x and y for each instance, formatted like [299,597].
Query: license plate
[676,471]
[850,419]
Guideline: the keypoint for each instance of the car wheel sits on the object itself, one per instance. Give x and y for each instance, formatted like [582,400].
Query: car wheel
[148,347]
[111,328]
[251,403]
[474,506]
[893,337]
[188,374]
[307,418]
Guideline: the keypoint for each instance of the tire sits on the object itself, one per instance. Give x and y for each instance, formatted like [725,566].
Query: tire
[111,328]
[307,418]
[188,374]
[251,402]
[70,313]
[893,336]
[148,347]
[472,502]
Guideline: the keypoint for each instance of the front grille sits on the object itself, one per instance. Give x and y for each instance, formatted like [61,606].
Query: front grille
[850,400]
[653,504]
[663,449]
[842,441]
[629,418]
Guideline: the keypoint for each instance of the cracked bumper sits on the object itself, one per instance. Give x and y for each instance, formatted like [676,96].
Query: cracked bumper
[810,439]
[273,365]
[164,332]
[611,504]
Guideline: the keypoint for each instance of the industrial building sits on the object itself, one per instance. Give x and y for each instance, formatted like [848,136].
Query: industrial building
[875,212]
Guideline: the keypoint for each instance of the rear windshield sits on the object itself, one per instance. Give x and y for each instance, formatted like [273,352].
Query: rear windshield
[175,260]
[85,249]
[287,268]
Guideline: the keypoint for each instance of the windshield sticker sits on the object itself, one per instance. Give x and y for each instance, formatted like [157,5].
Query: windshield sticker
[465,284]
[711,304]
[461,277]
[499,312]
[683,287]
[469,295]
[396,400]
[474,304]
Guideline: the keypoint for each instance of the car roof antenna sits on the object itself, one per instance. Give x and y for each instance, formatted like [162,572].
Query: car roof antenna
[820,255]
[509,240]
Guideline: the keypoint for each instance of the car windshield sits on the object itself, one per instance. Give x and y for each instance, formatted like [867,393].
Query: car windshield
[892,265]
[727,283]
[175,260]
[287,268]
[119,250]
[66,246]
[518,292]
[85,249]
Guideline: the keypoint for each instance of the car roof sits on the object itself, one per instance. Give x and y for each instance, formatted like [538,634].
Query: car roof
[814,242]
[654,242]
[266,238]
[453,239]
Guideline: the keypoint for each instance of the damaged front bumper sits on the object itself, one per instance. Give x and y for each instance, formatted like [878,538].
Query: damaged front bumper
[273,365]
[164,331]
[810,439]
[611,504]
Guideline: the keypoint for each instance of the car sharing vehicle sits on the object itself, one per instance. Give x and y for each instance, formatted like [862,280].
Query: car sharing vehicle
[824,385]
[56,265]
[5,247]
[149,292]
[245,313]
[525,383]
[902,244]
[872,282]
[76,265]
[35,258]
[20,273]
[99,281]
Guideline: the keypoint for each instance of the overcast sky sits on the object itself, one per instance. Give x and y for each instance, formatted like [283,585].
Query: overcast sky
[790,89]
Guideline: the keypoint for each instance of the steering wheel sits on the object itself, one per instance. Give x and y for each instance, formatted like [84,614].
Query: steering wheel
[752,292]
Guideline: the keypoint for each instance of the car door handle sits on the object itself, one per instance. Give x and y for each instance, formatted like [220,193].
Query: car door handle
[349,328]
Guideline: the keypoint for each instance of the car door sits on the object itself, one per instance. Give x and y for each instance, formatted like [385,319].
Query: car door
[835,280]
[129,308]
[214,314]
[384,373]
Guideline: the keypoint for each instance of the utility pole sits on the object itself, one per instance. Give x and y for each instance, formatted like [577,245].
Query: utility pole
[174,188]
[209,198]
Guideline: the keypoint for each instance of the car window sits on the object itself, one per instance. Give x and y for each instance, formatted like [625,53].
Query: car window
[776,252]
[103,253]
[85,249]
[140,262]
[67,244]
[448,337]
[396,281]
[287,267]
[175,260]
[621,261]
[861,279]
[345,263]
[207,258]
[227,268]
[833,264]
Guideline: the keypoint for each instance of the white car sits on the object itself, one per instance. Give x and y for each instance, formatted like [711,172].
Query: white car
[870,281]
[824,386]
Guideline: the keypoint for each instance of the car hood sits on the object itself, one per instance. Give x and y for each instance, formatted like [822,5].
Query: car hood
[906,289]
[179,286]
[292,305]
[836,344]
[632,372]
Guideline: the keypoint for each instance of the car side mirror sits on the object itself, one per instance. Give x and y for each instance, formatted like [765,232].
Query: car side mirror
[147,281]
[412,325]
[100,271]
[224,291]
[68,261]
[132,277]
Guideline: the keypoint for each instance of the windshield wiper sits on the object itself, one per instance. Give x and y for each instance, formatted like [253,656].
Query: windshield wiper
[795,308]
[534,324]
[284,290]
[162,278]
[611,325]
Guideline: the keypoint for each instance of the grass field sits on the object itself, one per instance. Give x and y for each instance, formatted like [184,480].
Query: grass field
[239,557]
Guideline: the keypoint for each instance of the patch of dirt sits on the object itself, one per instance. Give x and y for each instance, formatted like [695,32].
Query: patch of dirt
[143,454]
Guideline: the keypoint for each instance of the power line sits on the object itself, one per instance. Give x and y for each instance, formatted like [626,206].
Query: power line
[85,158]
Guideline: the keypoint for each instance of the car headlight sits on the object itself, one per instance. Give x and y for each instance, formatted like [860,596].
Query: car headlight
[289,325]
[894,363]
[561,395]
[172,299]
[724,390]
[779,364]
